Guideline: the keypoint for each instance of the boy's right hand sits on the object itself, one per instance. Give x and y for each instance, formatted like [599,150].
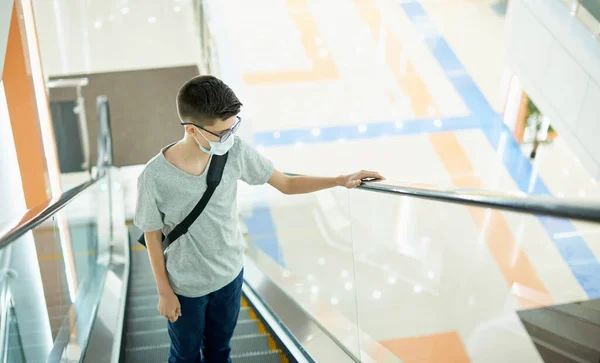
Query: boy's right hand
[169,307]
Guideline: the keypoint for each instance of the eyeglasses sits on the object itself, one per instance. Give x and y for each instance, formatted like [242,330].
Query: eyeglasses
[223,136]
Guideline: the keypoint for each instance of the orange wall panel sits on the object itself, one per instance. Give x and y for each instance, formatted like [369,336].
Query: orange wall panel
[22,110]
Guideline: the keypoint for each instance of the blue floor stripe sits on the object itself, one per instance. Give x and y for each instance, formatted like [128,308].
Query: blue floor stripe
[574,251]
[365,131]
[262,230]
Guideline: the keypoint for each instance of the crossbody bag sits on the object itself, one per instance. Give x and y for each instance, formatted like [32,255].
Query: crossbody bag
[213,178]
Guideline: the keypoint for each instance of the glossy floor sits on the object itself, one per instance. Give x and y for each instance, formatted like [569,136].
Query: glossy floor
[412,89]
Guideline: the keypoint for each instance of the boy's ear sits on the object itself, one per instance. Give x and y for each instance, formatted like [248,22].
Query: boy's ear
[190,130]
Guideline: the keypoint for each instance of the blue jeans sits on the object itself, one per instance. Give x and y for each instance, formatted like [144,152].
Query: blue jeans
[206,324]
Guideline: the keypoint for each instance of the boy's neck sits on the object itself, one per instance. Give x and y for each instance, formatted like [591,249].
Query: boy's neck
[190,151]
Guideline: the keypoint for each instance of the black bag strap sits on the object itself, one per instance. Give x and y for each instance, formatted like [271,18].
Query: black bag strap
[213,178]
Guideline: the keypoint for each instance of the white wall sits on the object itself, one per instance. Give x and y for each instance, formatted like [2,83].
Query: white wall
[5,15]
[557,61]
[80,37]
[12,198]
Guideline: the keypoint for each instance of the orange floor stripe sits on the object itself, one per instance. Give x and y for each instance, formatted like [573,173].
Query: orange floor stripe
[512,261]
[322,67]
[438,348]
[403,69]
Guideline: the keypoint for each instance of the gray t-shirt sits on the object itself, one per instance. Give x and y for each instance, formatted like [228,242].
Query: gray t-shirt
[210,255]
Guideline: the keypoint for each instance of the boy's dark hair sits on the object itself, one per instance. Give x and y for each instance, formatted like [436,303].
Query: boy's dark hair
[206,99]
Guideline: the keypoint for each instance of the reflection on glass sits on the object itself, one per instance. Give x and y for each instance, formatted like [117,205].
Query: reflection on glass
[427,271]
[57,278]
[308,254]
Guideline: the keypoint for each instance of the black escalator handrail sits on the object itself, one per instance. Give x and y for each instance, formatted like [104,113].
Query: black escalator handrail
[516,202]
[37,215]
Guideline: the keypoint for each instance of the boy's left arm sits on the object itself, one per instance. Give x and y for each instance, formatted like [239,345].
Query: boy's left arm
[308,184]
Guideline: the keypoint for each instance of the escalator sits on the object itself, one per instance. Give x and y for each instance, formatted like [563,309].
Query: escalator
[112,315]
[146,339]
[75,288]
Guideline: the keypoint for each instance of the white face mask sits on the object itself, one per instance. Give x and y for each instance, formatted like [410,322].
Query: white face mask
[217,148]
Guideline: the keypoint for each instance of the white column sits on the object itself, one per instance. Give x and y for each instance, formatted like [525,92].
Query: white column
[26,287]
[5,15]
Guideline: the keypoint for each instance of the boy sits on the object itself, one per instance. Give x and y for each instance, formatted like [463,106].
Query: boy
[199,276]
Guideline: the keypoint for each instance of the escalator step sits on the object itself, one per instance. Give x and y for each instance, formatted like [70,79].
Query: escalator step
[142,286]
[246,327]
[131,309]
[142,312]
[258,357]
[142,279]
[142,267]
[151,311]
[240,344]
[140,260]
[141,300]
[159,324]
[144,324]
[149,338]
[142,273]
[244,314]
[142,290]
[244,344]
[147,355]
[161,353]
